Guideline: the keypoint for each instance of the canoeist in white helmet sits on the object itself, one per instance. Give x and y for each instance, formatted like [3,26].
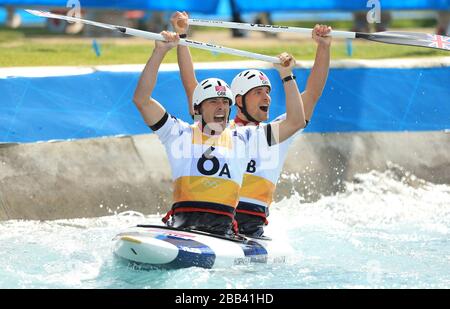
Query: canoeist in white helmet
[208,159]
[251,89]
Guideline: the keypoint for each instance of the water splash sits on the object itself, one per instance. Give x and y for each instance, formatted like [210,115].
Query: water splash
[387,229]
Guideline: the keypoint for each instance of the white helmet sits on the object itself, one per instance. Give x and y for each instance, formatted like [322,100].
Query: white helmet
[247,80]
[212,88]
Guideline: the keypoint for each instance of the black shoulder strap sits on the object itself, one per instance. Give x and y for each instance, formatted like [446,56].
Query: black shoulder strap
[269,135]
[160,123]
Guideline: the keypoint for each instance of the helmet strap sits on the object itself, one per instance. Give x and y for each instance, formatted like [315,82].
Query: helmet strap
[198,112]
[229,113]
[204,124]
[244,110]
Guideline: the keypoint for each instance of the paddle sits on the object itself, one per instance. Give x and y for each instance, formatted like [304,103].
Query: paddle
[235,238]
[159,37]
[390,37]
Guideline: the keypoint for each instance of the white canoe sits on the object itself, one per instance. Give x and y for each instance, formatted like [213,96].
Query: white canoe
[150,246]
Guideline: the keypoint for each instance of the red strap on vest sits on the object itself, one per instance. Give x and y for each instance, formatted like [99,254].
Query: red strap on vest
[243,122]
[253,213]
[167,216]
[235,227]
[193,209]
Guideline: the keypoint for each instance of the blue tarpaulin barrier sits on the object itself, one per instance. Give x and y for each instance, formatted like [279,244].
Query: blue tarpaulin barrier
[209,6]
[349,5]
[100,104]
[244,6]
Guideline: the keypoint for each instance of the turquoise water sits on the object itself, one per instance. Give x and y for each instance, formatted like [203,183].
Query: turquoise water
[382,232]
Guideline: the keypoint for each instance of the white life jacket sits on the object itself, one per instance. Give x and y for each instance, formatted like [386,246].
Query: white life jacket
[261,176]
[207,171]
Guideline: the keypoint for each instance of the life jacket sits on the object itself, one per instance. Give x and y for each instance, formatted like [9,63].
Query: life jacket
[207,171]
[259,183]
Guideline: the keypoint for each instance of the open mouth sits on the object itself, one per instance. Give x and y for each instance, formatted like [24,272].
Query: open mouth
[264,108]
[219,118]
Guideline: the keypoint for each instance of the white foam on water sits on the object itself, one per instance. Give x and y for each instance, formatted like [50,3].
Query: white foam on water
[375,200]
[385,230]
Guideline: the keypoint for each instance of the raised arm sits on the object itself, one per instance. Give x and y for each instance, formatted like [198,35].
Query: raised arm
[295,115]
[150,109]
[319,72]
[179,22]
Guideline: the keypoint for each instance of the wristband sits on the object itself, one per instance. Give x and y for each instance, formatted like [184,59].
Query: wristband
[288,78]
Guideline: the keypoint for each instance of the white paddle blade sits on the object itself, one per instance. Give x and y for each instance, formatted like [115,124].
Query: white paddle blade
[71,19]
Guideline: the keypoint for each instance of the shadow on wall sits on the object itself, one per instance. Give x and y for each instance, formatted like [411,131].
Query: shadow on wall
[84,178]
